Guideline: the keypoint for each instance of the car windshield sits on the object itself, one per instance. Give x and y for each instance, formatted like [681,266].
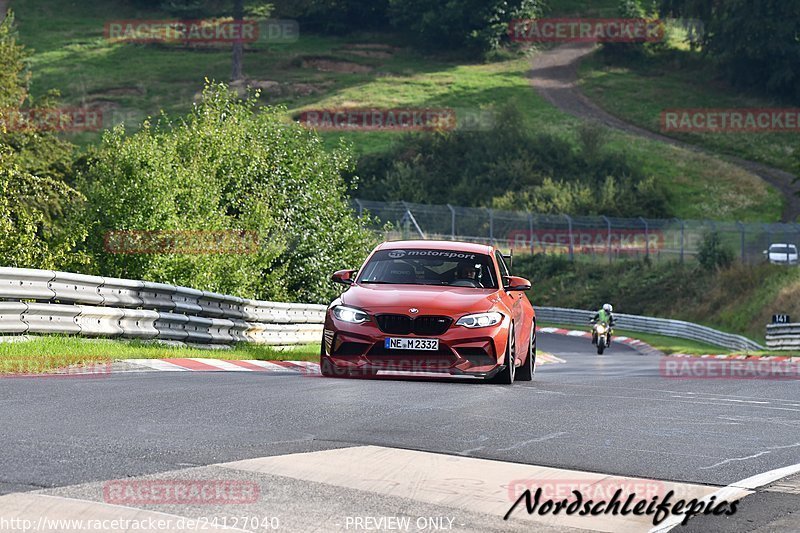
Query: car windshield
[430,267]
[783,249]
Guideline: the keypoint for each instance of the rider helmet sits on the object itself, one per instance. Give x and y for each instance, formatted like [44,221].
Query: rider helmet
[608,308]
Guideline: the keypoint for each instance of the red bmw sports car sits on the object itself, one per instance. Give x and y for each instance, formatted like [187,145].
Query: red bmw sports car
[432,308]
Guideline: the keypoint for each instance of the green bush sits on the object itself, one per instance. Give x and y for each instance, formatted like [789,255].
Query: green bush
[712,254]
[226,166]
[40,223]
[508,167]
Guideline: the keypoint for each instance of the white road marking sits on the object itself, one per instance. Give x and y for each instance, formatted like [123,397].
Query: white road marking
[759,454]
[531,441]
[727,493]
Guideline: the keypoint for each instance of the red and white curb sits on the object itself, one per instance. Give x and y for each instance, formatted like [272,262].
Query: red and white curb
[787,358]
[220,365]
[640,346]
[543,358]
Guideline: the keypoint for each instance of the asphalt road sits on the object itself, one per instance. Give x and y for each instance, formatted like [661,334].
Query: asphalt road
[609,414]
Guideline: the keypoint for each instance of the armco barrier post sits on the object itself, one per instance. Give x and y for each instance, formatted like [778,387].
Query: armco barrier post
[452,222]
[571,238]
[741,233]
[646,238]
[530,231]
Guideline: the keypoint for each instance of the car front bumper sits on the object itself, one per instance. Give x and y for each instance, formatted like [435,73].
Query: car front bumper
[463,352]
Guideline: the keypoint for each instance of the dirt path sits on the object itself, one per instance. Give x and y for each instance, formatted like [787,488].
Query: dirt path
[554,75]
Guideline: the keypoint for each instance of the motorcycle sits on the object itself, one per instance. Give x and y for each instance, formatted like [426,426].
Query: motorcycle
[601,336]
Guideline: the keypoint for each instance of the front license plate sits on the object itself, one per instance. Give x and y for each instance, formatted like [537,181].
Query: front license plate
[401,343]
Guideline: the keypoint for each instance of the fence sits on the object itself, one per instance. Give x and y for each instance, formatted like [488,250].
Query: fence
[579,237]
[46,302]
[660,326]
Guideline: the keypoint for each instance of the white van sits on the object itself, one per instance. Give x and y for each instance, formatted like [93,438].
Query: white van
[782,254]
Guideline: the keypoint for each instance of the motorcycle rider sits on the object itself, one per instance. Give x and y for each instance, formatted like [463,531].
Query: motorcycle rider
[603,315]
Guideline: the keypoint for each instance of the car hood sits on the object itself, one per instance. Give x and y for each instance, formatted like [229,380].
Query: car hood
[429,300]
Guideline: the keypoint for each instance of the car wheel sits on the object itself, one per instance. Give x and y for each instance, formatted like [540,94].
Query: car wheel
[528,369]
[506,376]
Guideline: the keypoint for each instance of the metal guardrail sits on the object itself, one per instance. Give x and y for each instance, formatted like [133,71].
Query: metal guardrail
[783,336]
[659,326]
[47,302]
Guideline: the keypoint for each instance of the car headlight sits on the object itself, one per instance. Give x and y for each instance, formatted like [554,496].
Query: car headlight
[480,320]
[349,314]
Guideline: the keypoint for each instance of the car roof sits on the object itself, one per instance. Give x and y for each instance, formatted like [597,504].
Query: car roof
[455,246]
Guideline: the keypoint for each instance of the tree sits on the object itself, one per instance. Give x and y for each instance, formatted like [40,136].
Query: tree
[227,166]
[470,26]
[39,213]
[757,44]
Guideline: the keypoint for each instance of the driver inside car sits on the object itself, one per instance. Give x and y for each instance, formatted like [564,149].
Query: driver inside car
[468,271]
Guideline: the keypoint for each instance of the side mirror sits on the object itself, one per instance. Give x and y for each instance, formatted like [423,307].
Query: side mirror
[345,277]
[515,283]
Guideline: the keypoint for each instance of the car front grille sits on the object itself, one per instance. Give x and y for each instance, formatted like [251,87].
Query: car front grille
[397,324]
[431,325]
[421,325]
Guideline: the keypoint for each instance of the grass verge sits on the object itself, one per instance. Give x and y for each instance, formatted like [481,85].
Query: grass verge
[46,353]
[679,79]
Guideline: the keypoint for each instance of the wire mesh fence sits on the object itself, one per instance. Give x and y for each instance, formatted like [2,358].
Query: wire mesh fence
[578,237]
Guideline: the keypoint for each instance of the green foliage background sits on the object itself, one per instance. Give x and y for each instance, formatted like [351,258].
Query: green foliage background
[226,166]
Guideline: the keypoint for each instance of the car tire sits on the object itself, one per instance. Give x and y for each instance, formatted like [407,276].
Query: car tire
[506,376]
[325,368]
[328,369]
[528,368]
